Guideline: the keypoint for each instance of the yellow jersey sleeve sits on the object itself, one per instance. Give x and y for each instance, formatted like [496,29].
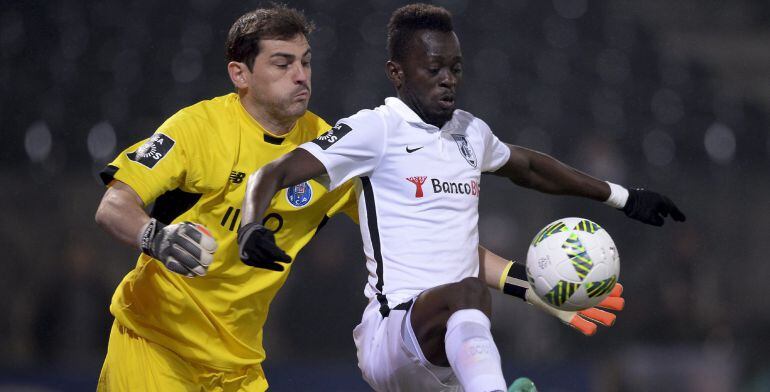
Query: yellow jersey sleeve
[347,201]
[160,163]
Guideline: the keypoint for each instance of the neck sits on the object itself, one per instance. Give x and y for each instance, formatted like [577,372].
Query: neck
[273,123]
[414,104]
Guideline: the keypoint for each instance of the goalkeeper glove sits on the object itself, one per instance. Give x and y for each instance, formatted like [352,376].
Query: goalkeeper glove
[643,205]
[185,248]
[258,249]
[584,320]
[514,282]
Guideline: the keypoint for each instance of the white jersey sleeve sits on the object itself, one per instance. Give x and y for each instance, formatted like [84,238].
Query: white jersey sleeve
[351,149]
[496,153]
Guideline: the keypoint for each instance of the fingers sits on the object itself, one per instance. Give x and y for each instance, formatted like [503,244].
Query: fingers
[675,213]
[258,248]
[604,318]
[207,240]
[584,326]
[274,253]
[189,257]
[189,249]
[175,266]
[614,301]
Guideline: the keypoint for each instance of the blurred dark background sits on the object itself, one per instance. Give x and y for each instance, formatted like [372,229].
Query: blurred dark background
[671,95]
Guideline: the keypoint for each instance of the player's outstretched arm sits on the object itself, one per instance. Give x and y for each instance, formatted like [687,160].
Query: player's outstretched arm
[185,248]
[542,172]
[256,243]
[511,278]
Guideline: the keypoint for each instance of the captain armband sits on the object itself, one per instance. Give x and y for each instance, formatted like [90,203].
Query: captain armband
[514,280]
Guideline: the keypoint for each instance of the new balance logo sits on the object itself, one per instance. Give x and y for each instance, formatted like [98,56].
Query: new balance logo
[417,181]
[236,177]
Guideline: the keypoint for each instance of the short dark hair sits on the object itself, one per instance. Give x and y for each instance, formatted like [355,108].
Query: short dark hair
[408,19]
[277,21]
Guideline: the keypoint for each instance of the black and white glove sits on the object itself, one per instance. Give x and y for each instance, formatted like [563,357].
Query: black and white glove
[257,248]
[644,205]
[185,248]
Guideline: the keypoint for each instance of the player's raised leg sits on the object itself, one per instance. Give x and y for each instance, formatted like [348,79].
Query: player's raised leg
[451,324]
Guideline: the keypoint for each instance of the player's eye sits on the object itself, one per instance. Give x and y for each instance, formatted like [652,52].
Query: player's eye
[457,69]
[306,63]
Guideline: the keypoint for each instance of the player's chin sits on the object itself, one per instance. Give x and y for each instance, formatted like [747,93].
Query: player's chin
[297,108]
[443,112]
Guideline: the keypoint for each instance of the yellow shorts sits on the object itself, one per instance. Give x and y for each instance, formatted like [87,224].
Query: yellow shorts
[135,364]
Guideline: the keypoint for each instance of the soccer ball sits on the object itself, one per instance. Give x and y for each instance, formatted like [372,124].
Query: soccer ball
[573,264]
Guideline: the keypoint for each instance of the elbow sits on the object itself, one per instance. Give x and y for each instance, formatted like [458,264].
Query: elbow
[101,216]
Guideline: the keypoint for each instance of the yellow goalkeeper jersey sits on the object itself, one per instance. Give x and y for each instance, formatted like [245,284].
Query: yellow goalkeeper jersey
[195,168]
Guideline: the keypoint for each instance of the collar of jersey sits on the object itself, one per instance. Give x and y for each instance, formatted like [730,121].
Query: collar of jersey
[258,126]
[408,114]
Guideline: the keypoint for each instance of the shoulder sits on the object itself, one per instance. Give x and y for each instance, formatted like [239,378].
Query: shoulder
[202,120]
[313,123]
[367,123]
[211,110]
[367,117]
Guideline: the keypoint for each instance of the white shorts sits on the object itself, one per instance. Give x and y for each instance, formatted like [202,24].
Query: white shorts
[390,358]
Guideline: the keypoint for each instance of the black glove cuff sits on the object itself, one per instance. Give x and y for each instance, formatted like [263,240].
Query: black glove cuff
[248,228]
[633,195]
[147,236]
[516,282]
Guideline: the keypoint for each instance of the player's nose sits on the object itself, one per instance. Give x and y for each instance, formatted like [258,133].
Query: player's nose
[448,79]
[301,75]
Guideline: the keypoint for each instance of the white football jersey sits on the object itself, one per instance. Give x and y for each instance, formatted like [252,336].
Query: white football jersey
[418,195]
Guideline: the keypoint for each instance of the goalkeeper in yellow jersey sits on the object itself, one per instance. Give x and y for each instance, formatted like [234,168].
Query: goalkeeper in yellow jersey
[189,316]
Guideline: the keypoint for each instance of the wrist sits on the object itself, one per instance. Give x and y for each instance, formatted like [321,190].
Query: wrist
[247,228]
[514,280]
[147,236]
[618,196]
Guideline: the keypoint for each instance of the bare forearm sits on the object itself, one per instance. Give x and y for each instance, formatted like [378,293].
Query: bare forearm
[291,169]
[121,213]
[260,189]
[542,172]
[491,267]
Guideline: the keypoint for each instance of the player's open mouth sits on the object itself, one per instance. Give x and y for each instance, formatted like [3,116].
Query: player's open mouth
[447,101]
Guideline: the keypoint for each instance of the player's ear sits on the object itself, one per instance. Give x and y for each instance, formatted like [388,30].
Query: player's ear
[395,73]
[238,74]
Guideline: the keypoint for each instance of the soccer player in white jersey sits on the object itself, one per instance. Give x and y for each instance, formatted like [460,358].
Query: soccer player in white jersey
[419,161]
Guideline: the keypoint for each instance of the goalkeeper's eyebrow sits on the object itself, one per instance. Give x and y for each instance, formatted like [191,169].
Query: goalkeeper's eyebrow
[289,56]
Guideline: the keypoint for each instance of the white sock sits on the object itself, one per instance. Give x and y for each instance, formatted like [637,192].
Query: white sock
[472,352]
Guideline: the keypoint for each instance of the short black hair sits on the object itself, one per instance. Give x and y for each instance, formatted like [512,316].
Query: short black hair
[408,19]
[277,21]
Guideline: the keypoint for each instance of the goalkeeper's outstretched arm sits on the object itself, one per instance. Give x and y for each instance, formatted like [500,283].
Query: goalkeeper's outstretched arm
[510,278]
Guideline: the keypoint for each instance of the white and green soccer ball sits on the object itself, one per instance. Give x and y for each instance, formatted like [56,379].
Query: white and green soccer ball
[573,264]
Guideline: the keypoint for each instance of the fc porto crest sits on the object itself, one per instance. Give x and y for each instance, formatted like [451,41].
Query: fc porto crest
[299,195]
[465,149]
